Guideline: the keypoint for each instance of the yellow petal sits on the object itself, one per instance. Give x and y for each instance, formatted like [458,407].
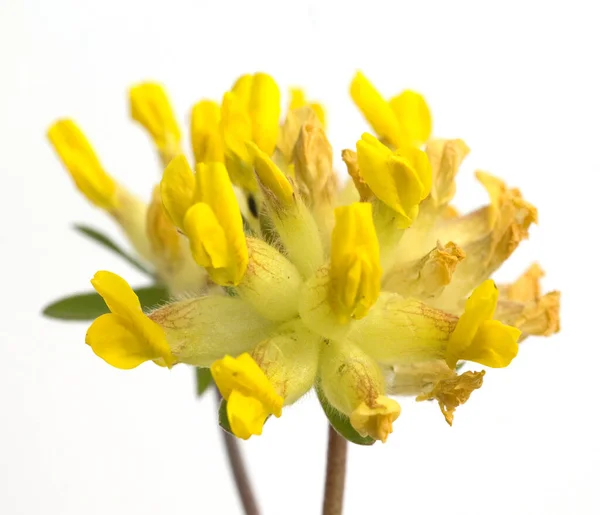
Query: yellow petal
[80,160]
[243,88]
[117,294]
[376,109]
[494,345]
[118,342]
[355,268]
[375,420]
[400,181]
[414,117]
[246,415]
[126,337]
[205,128]
[214,189]
[270,175]
[177,189]
[235,124]
[265,108]
[208,241]
[249,394]
[477,337]
[151,108]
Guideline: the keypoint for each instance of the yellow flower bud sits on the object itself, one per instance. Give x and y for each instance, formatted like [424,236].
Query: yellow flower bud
[205,128]
[355,268]
[400,179]
[478,337]
[250,396]
[83,165]
[151,108]
[353,384]
[125,337]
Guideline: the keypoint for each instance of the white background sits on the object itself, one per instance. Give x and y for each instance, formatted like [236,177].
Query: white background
[519,82]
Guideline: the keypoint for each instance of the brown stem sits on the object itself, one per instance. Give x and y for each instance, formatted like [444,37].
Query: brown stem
[238,469]
[335,476]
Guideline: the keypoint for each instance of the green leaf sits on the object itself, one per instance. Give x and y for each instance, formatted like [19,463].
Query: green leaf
[105,241]
[223,420]
[460,365]
[203,380]
[340,422]
[88,306]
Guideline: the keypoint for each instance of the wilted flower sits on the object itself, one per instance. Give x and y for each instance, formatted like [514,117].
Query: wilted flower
[283,281]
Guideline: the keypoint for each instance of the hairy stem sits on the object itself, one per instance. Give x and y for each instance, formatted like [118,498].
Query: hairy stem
[238,469]
[335,475]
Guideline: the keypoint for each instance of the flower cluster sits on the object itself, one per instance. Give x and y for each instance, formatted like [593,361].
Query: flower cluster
[282,279]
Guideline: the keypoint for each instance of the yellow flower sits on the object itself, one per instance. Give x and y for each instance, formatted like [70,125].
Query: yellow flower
[360,300]
[205,207]
[249,112]
[250,396]
[355,269]
[400,179]
[97,185]
[150,107]
[404,121]
[82,163]
[125,337]
[478,337]
[205,130]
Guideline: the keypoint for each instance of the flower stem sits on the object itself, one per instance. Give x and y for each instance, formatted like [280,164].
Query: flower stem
[335,476]
[238,469]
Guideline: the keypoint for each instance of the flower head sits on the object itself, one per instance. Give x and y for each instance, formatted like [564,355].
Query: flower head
[365,291]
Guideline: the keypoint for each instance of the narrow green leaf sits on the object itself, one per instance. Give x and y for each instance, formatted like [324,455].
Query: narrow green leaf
[223,420]
[203,380]
[105,241]
[340,422]
[88,306]
[460,365]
